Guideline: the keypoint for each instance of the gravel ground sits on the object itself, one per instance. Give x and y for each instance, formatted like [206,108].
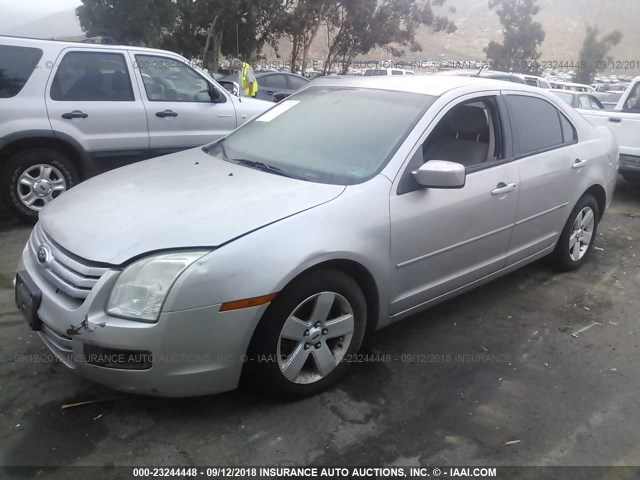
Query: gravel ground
[496,365]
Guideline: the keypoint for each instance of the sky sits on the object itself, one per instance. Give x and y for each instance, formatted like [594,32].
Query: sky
[15,13]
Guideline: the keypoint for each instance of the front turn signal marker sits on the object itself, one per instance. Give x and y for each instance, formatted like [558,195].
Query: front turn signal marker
[247,302]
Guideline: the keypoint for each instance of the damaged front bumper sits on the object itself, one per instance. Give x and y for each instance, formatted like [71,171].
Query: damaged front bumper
[185,353]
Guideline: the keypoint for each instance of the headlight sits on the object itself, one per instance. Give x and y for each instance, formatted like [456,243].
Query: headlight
[142,287]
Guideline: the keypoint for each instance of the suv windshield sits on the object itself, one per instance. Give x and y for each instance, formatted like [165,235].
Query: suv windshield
[331,135]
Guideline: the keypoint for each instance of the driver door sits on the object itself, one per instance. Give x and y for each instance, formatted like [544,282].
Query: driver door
[180,112]
[445,239]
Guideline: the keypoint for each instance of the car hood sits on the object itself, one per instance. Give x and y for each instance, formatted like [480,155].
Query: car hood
[188,199]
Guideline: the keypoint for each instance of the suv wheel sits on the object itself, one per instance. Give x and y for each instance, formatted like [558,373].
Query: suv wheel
[32,178]
[303,343]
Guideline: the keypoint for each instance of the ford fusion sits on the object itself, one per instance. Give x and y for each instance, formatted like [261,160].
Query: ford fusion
[269,255]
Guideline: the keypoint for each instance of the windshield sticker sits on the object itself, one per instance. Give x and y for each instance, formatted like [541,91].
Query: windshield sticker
[278,110]
[357,171]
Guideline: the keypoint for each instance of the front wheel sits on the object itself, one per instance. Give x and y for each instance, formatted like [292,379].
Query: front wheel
[578,236]
[312,327]
[32,178]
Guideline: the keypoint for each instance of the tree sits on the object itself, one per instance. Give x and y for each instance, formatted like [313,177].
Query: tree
[521,37]
[139,23]
[356,27]
[194,28]
[301,24]
[594,51]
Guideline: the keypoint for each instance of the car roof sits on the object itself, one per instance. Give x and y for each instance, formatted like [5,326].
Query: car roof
[435,85]
[264,74]
[35,42]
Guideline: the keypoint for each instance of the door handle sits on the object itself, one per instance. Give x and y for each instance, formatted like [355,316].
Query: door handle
[166,113]
[74,114]
[615,119]
[578,164]
[503,188]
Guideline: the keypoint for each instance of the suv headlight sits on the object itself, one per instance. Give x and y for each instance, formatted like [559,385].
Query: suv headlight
[142,287]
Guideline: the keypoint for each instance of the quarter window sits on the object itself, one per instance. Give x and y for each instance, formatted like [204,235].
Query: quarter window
[92,77]
[16,66]
[537,123]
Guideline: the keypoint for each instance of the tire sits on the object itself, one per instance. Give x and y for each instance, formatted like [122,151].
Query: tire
[270,355]
[569,254]
[50,172]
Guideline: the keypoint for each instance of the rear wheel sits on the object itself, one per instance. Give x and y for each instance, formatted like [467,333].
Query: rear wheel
[300,345]
[578,236]
[32,178]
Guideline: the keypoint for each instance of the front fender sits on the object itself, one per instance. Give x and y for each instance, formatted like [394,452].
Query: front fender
[354,226]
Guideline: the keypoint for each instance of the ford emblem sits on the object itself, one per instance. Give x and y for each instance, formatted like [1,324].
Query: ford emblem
[43,254]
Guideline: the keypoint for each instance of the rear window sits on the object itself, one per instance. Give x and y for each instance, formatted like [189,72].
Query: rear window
[92,77]
[16,66]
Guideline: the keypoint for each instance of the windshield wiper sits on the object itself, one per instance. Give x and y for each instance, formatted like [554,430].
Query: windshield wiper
[264,167]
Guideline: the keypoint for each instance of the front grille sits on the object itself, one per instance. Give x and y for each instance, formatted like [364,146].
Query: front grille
[69,274]
[59,343]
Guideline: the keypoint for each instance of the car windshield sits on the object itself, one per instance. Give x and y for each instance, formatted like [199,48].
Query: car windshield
[333,135]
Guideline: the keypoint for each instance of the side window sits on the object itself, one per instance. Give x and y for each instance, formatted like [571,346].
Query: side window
[92,77]
[537,123]
[16,66]
[276,81]
[169,80]
[584,102]
[632,104]
[468,134]
[297,83]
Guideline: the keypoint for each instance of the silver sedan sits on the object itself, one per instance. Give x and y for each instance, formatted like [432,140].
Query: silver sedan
[269,255]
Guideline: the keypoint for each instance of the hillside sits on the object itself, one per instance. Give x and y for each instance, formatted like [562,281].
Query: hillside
[61,24]
[564,23]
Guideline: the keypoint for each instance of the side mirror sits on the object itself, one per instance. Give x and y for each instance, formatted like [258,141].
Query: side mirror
[441,174]
[279,96]
[214,94]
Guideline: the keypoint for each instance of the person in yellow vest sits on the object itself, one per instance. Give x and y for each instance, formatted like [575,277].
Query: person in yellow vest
[247,78]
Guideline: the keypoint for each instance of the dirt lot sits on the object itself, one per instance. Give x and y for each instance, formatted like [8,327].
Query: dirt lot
[493,366]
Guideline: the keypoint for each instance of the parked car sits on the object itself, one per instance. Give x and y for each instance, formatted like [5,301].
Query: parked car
[353,204]
[489,74]
[71,110]
[609,100]
[269,83]
[585,101]
[535,81]
[624,122]
[576,87]
[383,72]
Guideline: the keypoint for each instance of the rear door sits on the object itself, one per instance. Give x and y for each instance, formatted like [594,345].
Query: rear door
[271,84]
[91,98]
[546,152]
[179,109]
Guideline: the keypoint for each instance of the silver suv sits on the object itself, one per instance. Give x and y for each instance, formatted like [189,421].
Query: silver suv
[71,110]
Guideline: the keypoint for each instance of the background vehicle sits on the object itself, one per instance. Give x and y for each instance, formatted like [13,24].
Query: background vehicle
[71,110]
[609,100]
[490,74]
[269,84]
[585,101]
[576,87]
[444,183]
[535,81]
[624,122]
[383,72]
